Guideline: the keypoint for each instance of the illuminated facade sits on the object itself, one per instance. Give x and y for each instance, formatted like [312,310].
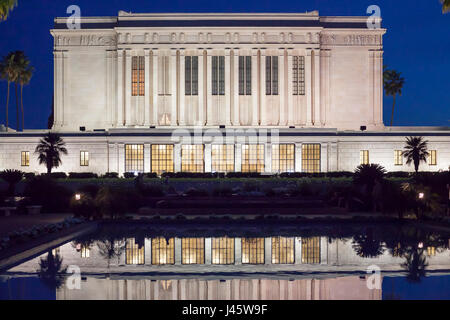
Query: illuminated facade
[266,93]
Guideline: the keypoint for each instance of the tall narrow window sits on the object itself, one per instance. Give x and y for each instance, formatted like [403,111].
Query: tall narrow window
[85,252]
[364,157]
[282,250]
[283,158]
[134,158]
[398,157]
[252,250]
[311,250]
[245,75]
[192,158]
[25,158]
[252,158]
[163,251]
[134,252]
[138,76]
[222,158]
[218,75]
[298,76]
[272,75]
[191,75]
[84,158]
[162,158]
[222,251]
[433,158]
[193,250]
[311,157]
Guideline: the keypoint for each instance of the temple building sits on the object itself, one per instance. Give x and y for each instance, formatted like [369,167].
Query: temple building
[218,93]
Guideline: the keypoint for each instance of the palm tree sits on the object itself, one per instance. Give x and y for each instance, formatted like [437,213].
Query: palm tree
[12,177]
[50,149]
[393,85]
[23,74]
[24,79]
[5,7]
[366,245]
[445,6]
[8,71]
[415,264]
[111,247]
[416,150]
[51,271]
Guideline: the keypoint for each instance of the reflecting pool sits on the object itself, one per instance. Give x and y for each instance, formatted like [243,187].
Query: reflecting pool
[239,261]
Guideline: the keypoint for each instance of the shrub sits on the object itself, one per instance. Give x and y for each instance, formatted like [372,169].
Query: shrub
[12,177]
[222,191]
[83,207]
[46,192]
[56,175]
[151,189]
[111,201]
[194,192]
[82,175]
[29,175]
[151,175]
[90,189]
[110,175]
[247,175]
[398,174]
[250,186]
[129,175]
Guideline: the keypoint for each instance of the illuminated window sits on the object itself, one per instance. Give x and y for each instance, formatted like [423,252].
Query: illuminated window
[245,75]
[134,252]
[364,157]
[431,251]
[222,158]
[253,250]
[192,158]
[162,158]
[84,158]
[25,159]
[222,251]
[433,158]
[134,157]
[191,76]
[283,158]
[398,157]
[311,158]
[85,252]
[193,250]
[138,76]
[298,76]
[271,75]
[163,251]
[282,250]
[218,75]
[311,250]
[252,158]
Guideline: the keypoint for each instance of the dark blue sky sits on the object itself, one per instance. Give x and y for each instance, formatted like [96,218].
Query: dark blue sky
[417,44]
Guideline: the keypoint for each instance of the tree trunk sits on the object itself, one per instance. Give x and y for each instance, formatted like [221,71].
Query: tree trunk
[49,168]
[416,165]
[17,108]
[393,107]
[21,105]
[7,106]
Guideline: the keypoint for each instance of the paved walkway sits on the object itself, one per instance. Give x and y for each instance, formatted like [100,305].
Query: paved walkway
[16,222]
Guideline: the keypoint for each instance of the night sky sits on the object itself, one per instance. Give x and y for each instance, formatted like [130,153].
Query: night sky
[417,44]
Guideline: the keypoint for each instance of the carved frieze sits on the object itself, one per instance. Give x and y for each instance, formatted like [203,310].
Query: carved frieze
[351,39]
[86,40]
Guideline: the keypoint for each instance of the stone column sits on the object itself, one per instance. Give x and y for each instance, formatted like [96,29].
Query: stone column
[268,250]
[109,88]
[378,88]
[308,87]
[298,157]
[120,88]
[235,86]
[148,251]
[147,94]
[323,157]
[268,157]
[128,114]
[263,96]
[207,157]
[289,98]
[227,88]
[298,250]
[237,157]
[207,250]
[282,87]
[177,157]
[58,85]
[324,85]
[316,88]
[173,85]
[255,89]
[181,83]
[147,157]
[201,91]
[209,88]
[155,121]
[237,251]
[121,160]
[177,250]
[323,250]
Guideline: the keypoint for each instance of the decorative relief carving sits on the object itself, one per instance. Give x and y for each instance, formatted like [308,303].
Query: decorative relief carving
[147,38]
[236,37]
[227,37]
[255,37]
[282,37]
[201,37]
[290,37]
[173,37]
[155,38]
[328,39]
[263,37]
[316,37]
[308,37]
[182,37]
[209,37]
[361,40]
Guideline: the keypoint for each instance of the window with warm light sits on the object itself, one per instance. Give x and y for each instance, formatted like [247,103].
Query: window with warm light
[252,250]
[138,76]
[218,75]
[245,75]
[364,157]
[431,251]
[283,158]
[134,252]
[433,158]
[222,158]
[398,157]
[163,251]
[85,252]
[162,158]
[298,76]
[134,158]
[311,250]
[283,250]
[252,158]
[84,158]
[192,158]
[311,157]
[192,250]
[191,75]
[271,75]
[222,250]
[25,159]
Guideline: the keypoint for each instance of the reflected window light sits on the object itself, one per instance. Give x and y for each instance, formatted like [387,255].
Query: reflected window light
[134,252]
[311,250]
[283,250]
[193,250]
[222,250]
[252,250]
[163,251]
